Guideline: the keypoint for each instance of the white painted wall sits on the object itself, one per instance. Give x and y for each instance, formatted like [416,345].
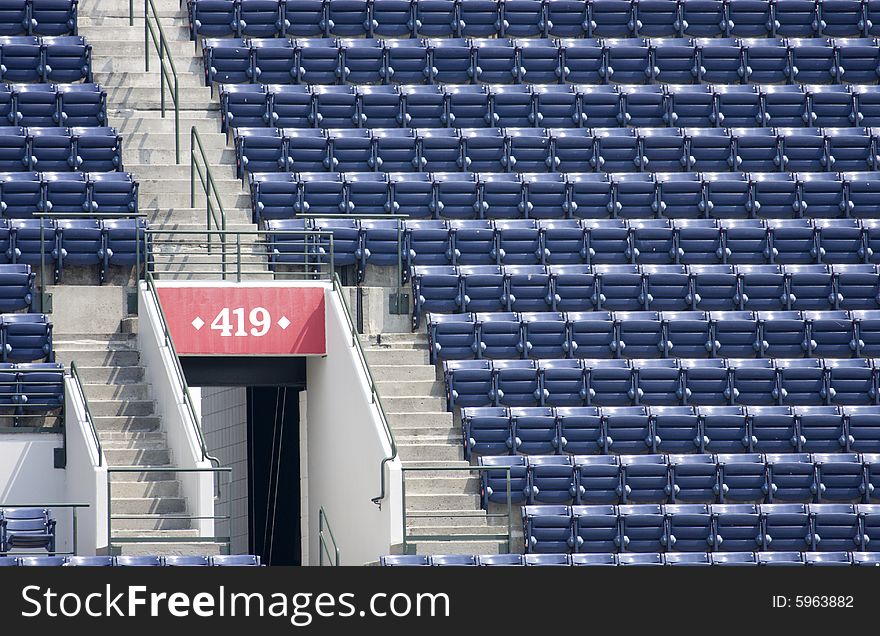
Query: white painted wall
[180,429]
[224,421]
[86,480]
[28,477]
[346,443]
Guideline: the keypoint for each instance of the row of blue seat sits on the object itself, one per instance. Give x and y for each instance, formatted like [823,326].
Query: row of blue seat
[502,150]
[31,388]
[551,106]
[582,288]
[532,18]
[661,479]
[702,528]
[236,560]
[24,337]
[692,200]
[608,431]
[38,17]
[653,334]
[53,105]
[640,559]
[23,194]
[16,287]
[543,61]
[64,243]
[26,528]
[60,149]
[636,384]
[32,59]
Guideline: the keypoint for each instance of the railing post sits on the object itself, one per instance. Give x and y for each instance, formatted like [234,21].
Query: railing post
[176,119]
[238,257]
[130,12]
[146,35]
[403,504]
[42,265]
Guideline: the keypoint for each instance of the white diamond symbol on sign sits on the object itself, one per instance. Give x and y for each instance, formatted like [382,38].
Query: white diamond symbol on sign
[198,323]
[284,323]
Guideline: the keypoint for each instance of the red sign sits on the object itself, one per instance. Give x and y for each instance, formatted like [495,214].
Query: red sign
[244,320]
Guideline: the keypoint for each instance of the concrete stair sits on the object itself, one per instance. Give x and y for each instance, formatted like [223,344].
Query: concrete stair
[144,504]
[443,507]
[133,103]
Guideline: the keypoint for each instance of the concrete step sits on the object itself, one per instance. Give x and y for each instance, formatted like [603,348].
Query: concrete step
[425,404]
[395,339]
[446,519]
[464,532]
[134,444]
[417,420]
[106,45]
[117,391]
[156,185]
[182,533]
[419,432]
[460,547]
[120,22]
[94,8]
[461,484]
[94,358]
[171,170]
[116,436]
[170,488]
[142,79]
[116,407]
[430,452]
[182,199]
[94,341]
[396,388]
[439,464]
[382,356]
[402,439]
[212,142]
[150,524]
[412,372]
[147,505]
[147,477]
[149,99]
[171,549]
[110,375]
[135,457]
[133,62]
[126,423]
[121,32]
[435,501]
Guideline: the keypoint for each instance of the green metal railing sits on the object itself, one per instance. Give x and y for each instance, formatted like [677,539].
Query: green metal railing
[74,374]
[304,254]
[159,517]
[323,546]
[374,393]
[209,187]
[407,538]
[154,32]
[181,376]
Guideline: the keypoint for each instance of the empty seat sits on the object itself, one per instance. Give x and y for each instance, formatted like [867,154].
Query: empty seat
[787,527]
[486,430]
[628,428]
[644,479]
[597,479]
[469,383]
[737,528]
[642,528]
[547,529]
[580,430]
[790,477]
[840,477]
[676,429]
[28,528]
[551,481]
[500,335]
[693,478]
[545,335]
[494,482]
[690,528]
[725,429]
[582,60]
[516,383]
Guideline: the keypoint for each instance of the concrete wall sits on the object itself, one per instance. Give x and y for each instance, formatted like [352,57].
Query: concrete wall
[177,422]
[86,476]
[346,443]
[88,309]
[224,421]
[28,477]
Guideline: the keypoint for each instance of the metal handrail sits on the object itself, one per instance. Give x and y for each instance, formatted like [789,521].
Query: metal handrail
[74,375]
[168,72]
[322,542]
[374,393]
[209,187]
[178,369]
[488,515]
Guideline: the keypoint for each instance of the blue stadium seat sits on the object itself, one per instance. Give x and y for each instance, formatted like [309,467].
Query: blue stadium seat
[551,480]
[493,487]
[840,477]
[235,560]
[742,478]
[813,60]
[187,561]
[499,335]
[563,383]
[26,337]
[595,529]
[453,560]
[228,61]
[639,334]
[827,558]
[787,527]
[784,559]
[737,559]
[674,60]
[404,560]
[738,528]
[726,428]
[629,429]
[408,63]
[676,429]
[681,196]
[347,18]
[435,288]
[687,334]
[582,60]
[547,529]
[534,431]
[857,59]
[581,430]
[413,192]
[597,479]
[851,382]
[801,381]
[214,18]
[452,336]
[558,560]
[644,479]
[368,193]
[642,528]
[486,431]
[273,61]
[609,382]
[392,18]
[666,287]
[483,286]
[863,429]
[619,287]
[693,478]
[690,528]
[790,476]
[493,559]
[247,105]
[469,383]
[28,528]
[517,383]
[90,561]
[821,429]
